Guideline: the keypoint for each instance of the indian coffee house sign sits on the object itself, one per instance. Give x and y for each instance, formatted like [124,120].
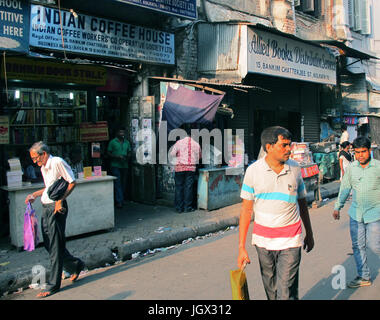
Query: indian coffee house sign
[97,36]
[271,54]
[182,8]
[14,25]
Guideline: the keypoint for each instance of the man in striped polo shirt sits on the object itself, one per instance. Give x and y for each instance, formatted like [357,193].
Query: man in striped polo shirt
[362,177]
[273,190]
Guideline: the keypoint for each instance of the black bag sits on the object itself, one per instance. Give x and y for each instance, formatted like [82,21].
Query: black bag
[57,189]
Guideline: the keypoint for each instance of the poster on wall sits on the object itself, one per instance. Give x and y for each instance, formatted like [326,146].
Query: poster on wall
[4,130]
[97,36]
[90,132]
[14,22]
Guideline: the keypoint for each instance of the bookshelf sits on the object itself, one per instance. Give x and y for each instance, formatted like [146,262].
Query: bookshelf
[53,116]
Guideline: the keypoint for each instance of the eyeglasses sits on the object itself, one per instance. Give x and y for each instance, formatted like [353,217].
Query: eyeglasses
[34,159]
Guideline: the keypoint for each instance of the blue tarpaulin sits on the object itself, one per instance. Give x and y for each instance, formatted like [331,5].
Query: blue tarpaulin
[188,106]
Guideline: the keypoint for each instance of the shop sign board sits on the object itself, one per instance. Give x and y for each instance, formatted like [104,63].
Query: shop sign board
[93,132]
[14,25]
[182,8]
[48,71]
[272,54]
[97,36]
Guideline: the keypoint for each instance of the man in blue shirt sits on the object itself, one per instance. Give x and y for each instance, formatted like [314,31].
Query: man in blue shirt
[363,178]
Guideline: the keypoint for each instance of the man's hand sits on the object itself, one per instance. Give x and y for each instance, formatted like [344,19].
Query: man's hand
[243,258]
[29,198]
[336,214]
[308,242]
[58,207]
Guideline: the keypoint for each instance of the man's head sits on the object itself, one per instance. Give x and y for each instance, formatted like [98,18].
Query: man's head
[39,153]
[120,133]
[343,127]
[362,148]
[276,143]
[345,145]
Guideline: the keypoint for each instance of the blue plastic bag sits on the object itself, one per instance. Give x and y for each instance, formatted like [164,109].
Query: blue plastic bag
[30,229]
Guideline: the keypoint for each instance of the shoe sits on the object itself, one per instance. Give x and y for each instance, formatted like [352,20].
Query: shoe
[359,282]
[74,277]
[179,210]
[46,293]
[189,210]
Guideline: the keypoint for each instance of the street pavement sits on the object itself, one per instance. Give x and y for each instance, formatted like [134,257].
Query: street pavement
[138,228]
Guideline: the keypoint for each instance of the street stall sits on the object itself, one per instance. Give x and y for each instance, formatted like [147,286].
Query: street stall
[325,155]
[91,207]
[301,153]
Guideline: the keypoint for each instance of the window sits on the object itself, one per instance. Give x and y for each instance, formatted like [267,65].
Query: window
[311,7]
[359,16]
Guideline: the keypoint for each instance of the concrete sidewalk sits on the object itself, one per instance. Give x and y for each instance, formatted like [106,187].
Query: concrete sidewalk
[138,228]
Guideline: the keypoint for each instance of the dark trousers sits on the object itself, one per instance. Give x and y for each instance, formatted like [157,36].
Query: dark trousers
[53,231]
[279,272]
[120,183]
[184,192]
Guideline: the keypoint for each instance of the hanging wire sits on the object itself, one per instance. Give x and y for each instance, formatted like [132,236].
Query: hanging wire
[5,77]
[60,22]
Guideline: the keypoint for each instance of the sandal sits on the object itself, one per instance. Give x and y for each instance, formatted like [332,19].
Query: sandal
[46,293]
[74,277]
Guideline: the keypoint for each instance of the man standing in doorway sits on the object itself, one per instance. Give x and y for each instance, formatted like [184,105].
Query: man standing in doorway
[362,177]
[186,153]
[119,152]
[273,190]
[54,214]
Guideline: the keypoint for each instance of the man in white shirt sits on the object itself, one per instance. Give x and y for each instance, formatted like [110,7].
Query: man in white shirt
[273,190]
[53,219]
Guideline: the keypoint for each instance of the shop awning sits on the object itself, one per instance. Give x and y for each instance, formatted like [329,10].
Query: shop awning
[345,50]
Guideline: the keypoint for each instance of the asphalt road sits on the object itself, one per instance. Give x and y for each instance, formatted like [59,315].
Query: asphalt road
[199,270]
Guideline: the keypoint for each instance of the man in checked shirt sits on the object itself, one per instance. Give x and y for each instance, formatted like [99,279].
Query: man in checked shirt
[362,177]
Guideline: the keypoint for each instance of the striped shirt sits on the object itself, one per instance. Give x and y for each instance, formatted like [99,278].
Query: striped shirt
[365,186]
[277,222]
[186,153]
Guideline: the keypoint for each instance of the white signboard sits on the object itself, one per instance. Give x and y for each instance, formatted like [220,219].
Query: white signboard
[271,54]
[97,36]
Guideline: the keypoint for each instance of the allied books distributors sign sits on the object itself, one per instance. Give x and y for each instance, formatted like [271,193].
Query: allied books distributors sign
[182,8]
[14,25]
[97,36]
[271,54]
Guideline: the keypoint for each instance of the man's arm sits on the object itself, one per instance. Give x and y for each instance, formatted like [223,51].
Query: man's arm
[58,204]
[31,197]
[305,217]
[244,221]
[344,192]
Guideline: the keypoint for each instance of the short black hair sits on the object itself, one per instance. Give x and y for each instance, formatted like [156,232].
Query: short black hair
[343,126]
[270,135]
[345,144]
[362,142]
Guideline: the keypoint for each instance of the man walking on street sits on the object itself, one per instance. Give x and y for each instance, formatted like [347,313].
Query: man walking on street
[273,190]
[54,214]
[362,177]
[119,151]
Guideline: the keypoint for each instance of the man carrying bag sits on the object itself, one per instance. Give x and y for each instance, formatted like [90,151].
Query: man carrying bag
[53,220]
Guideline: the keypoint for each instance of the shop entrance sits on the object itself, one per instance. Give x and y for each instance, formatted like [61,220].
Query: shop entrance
[267,118]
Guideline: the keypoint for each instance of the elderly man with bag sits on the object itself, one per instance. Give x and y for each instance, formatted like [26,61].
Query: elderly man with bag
[54,214]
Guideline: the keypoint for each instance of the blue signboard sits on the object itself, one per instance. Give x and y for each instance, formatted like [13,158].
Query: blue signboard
[98,36]
[183,8]
[14,25]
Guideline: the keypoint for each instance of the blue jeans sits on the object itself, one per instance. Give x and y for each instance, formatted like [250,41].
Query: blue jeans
[361,234]
[120,183]
[184,193]
[279,272]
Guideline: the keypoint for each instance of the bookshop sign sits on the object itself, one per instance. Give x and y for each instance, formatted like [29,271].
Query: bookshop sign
[97,36]
[274,55]
[14,25]
[46,71]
